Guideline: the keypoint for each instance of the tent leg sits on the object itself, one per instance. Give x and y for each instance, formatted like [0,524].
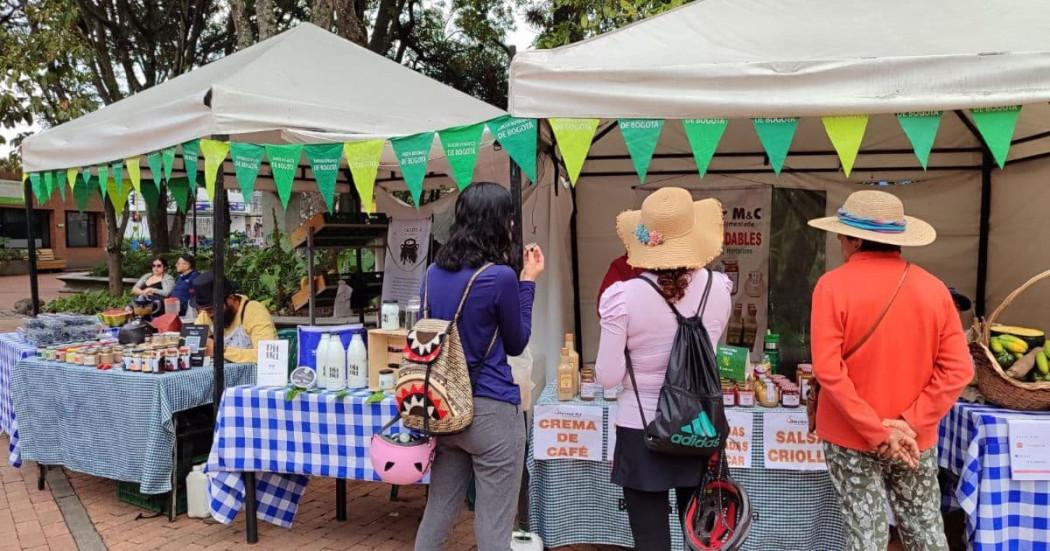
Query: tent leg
[515,193]
[218,232]
[982,243]
[310,274]
[34,288]
[574,247]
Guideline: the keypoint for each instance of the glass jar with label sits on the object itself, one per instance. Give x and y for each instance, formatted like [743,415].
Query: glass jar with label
[804,377]
[790,397]
[612,394]
[745,396]
[589,386]
[391,316]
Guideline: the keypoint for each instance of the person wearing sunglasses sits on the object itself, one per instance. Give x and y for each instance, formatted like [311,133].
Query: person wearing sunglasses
[157,283]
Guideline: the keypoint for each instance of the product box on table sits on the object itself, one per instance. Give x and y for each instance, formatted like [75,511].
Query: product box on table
[732,362]
[381,352]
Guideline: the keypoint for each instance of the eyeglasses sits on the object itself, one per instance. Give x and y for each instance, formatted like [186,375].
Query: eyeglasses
[158,265]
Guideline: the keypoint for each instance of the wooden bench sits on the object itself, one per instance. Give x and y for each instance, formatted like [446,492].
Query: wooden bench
[45,260]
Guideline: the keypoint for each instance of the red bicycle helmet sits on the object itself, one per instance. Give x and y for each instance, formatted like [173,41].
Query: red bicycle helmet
[718,516]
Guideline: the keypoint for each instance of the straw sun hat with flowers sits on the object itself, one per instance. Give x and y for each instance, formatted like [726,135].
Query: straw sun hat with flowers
[879,217]
[672,231]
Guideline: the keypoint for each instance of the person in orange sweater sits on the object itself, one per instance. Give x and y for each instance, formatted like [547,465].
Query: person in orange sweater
[891,358]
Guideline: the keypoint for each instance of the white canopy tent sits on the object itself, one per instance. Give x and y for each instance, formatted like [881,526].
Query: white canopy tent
[743,59]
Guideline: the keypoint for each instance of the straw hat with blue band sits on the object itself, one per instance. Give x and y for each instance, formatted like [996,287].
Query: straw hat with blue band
[879,217]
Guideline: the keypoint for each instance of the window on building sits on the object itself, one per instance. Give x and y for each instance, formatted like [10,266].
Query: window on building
[13,228]
[81,229]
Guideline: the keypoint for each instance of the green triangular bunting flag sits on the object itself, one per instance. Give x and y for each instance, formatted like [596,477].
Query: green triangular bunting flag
[247,158]
[641,136]
[518,137]
[921,129]
[85,175]
[363,160]
[180,191]
[190,150]
[574,141]
[846,133]
[167,156]
[103,179]
[154,161]
[413,152]
[60,186]
[704,135]
[461,148]
[284,161]
[82,193]
[117,168]
[151,195]
[37,186]
[49,186]
[324,162]
[776,135]
[997,126]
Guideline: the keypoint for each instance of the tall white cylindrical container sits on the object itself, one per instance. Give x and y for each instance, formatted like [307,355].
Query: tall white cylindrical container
[336,364]
[356,363]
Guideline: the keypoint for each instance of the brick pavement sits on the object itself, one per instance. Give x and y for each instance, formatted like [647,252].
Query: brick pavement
[29,519]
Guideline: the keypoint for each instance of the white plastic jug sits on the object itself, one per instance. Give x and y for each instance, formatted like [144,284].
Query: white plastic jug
[356,363]
[197,493]
[321,361]
[335,364]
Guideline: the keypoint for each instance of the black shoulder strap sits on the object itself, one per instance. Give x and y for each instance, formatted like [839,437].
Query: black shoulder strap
[700,309]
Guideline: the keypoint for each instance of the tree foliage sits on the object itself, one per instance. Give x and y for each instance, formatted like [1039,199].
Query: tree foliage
[562,22]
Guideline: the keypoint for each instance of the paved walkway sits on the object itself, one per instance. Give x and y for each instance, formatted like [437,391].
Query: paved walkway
[16,288]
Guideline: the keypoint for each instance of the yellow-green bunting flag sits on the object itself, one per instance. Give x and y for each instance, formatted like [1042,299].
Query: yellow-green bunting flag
[214,154]
[461,149]
[190,150]
[776,135]
[103,179]
[284,161]
[704,135]
[641,136]
[134,173]
[413,152]
[324,163]
[71,177]
[574,141]
[997,125]
[118,195]
[921,129]
[363,160]
[846,133]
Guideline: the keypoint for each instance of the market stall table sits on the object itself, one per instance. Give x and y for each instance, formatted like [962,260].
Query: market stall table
[278,442]
[113,424]
[573,502]
[1001,513]
[13,348]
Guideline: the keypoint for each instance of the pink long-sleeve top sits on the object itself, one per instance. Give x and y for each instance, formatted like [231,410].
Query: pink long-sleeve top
[634,316]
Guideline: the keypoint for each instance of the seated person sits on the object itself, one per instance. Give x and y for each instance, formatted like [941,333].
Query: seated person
[156,284]
[186,273]
[245,321]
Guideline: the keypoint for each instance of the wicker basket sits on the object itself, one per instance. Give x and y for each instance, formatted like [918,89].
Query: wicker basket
[998,387]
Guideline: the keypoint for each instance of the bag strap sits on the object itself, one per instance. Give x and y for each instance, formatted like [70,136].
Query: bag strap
[882,315]
[470,284]
[634,387]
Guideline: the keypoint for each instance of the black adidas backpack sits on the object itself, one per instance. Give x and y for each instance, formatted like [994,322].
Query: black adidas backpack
[690,415]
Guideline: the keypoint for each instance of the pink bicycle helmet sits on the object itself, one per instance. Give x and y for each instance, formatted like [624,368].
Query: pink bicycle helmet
[402,458]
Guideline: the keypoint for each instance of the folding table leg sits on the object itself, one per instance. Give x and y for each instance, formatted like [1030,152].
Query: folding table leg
[393,492]
[251,521]
[41,476]
[340,499]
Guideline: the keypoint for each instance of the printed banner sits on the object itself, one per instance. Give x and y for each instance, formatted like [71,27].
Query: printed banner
[363,160]
[413,152]
[190,150]
[997,126]
[518,138]
[324,162]
[641,136]
[776,135]
[741,430]
[574,141]
[921,129]
[461,149]
[284,161]
[153,161]
[745,260]
[167,156]
[214,156]
[567,432]
[788,445]
[704,135]
[407,247]
[180,191]
[247,158]
[846,134]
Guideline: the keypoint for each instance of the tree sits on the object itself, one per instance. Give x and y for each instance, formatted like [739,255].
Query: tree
[562,22]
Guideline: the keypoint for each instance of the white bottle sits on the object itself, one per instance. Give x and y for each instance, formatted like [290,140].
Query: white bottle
[356,363]
[335,365]
[320,360]
[197,493]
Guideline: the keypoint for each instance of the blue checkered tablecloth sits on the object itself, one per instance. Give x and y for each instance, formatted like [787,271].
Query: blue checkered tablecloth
[287,441]
[112,424]
[13,348]
[1001,514]
[574,502]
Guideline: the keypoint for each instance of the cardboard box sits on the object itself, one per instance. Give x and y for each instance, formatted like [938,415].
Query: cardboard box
[379,354]
[732,362]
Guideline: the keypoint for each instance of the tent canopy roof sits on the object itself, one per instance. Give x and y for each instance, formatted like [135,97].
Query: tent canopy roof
[766,58]
[303,85]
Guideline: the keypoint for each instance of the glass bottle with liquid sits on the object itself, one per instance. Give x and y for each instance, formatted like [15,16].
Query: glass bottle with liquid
[751,326]
[566,377]
[735,331]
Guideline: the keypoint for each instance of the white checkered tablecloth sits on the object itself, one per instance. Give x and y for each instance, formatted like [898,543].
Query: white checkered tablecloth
[1001,514]
[13,349]
[287,441]
[574,502]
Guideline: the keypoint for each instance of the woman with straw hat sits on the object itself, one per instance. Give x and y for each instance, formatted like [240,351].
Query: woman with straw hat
[672,238]
[891,359]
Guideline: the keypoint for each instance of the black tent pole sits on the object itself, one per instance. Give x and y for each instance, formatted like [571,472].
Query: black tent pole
[34,288]
[983,237]
[218,291]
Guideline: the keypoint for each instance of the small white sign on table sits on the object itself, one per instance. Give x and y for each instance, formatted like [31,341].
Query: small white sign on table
[567,432]
[1029,449]
[788,445]
[738,446]
[273,363]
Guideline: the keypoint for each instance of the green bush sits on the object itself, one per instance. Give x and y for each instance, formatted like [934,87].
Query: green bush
[136,262]
[269,275]
[91,302]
